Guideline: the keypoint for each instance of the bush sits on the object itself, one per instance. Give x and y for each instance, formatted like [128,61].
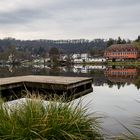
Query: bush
[34,119]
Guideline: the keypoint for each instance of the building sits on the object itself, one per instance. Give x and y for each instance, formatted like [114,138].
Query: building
[121,51]
[85,57]
[97,59]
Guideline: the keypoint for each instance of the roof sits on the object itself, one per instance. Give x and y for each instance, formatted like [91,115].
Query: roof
[120,47]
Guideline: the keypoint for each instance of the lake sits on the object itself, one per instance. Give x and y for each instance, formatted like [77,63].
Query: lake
[116,91]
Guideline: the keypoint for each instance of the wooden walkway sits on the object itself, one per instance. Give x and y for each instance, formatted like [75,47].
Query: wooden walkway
[54,83]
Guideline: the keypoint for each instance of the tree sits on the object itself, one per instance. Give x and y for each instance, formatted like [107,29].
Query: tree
[42,53]
[69,59]
[138,39]
[124,41]
[92,52]
[12,55]
[54,55]
[119,40]
[136,44]
[110,42]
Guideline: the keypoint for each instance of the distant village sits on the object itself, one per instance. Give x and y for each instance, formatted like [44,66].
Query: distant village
[118,52]
[115,50]
[75,58]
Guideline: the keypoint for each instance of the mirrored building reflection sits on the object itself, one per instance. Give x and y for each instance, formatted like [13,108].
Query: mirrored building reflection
[121,74]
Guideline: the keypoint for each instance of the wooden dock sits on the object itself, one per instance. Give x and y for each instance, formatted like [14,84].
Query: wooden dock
[56,84]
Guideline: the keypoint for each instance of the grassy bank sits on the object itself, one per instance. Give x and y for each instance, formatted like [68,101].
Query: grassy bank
[135,63]
[33,119]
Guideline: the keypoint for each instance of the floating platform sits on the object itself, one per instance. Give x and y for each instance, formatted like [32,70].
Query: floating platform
[50,84]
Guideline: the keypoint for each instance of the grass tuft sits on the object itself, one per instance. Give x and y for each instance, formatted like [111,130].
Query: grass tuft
[35,119]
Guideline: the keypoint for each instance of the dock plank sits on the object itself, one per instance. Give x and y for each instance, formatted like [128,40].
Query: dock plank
[72,86]
[43,79]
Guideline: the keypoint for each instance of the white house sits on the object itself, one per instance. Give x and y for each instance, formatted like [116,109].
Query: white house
[79,58]
[98,59]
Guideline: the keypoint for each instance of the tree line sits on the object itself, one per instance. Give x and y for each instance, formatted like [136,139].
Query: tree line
[14,49]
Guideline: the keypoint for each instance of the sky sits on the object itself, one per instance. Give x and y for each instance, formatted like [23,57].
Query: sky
[69,19]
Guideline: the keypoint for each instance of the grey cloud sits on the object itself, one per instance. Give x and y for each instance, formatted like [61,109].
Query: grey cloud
[85,10]
[94,4]
[75,17]
[21,16]
[68,10]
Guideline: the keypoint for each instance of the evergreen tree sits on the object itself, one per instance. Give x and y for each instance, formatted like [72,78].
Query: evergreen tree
[110,42]
[119,41]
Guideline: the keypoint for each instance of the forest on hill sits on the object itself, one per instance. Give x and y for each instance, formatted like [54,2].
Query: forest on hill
[65,46]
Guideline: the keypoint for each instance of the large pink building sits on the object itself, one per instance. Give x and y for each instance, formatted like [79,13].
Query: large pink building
[121,51]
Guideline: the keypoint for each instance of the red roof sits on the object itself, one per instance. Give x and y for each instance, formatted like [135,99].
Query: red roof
[121,47]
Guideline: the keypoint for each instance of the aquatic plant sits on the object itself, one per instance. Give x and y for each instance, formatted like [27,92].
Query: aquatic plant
[40,120]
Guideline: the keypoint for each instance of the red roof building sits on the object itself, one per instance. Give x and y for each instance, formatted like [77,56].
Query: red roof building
[121,51]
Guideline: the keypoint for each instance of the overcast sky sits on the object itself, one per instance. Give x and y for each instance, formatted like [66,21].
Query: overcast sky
[69,19]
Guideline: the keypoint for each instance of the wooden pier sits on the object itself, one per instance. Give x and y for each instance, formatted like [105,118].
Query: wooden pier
[56,84]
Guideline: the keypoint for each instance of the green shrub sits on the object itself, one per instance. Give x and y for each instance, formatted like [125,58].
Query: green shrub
[34,119]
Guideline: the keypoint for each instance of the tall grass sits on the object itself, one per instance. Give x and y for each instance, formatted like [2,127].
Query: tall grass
[34,119]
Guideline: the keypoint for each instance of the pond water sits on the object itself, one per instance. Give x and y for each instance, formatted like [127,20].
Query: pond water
[116,91]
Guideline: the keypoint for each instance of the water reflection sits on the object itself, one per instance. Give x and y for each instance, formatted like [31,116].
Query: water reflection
[127,75]
[123,75]
[119,76]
